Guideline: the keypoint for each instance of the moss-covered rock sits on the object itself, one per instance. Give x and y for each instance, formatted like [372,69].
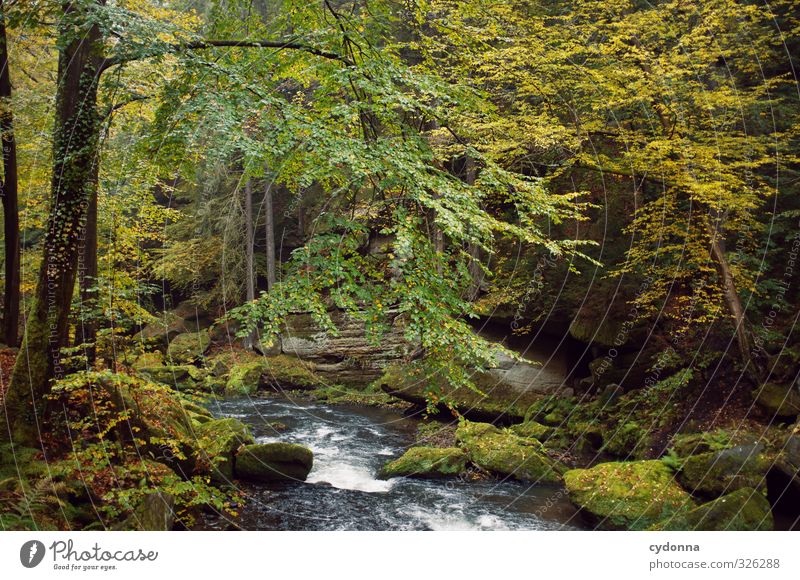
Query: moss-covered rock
[288,372]
[148,359]
[780,401]
[504,453]
[218,441]
[160,332]
[627,495]
[244,379]
[532,430]
[496,397]
[220,363]
[629,440]
[188,347]
[717,472]
[743,510]
[268,462]
[180,377]
[428,462]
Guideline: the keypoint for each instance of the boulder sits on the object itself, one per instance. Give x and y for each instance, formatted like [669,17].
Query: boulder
[148,359]
[288,372]
[743,510]
[180,377]
[717,472]
[244,379]
[427,462]
[188,347]
[220,363]
[268,462]
[781,401]
[494,400]
[161,331]
[631,495]
[218,441]
[504,453]
[532,430]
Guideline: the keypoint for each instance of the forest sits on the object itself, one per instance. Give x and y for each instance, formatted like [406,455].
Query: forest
[278,264]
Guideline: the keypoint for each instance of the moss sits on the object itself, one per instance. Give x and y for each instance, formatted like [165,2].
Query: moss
[220,363]
[411,382]
[244,379]
[715,473]
[289,372]
[627,495]
[426,462]
[274,462]
[218,441]
[180,377]
[148,359]
[743,510]
[629,440]
[188,347]
[532,430]
[778,400]
[505,453]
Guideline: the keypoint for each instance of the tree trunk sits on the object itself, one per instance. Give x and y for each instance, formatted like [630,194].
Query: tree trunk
[86,333]
[733,302]
[249,251]
[475,271]
[75,142]
[269,234]
[10,197]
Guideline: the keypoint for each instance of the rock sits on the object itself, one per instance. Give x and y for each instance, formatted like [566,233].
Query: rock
[427,462]
[504,453]
[180,377]
[627,495]
[532,430]
[220,363]
[350,357]
[218,441]
[196,412]
[156,513]
[188,347]
[743,510]
[718,472]
[495,400]
[778,400]
[288,372]
[627,441]
[148,359]
[611,393]
[160,332]
[268,462]
[244,379]
[271,347]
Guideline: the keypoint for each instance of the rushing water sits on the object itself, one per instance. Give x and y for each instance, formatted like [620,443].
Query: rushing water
[342,492]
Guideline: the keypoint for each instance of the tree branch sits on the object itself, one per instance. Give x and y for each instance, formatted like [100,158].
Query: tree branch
[207,44]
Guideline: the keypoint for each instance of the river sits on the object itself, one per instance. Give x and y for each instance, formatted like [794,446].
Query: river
[342,492]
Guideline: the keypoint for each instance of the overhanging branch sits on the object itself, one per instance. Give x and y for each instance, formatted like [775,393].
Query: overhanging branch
[207,44]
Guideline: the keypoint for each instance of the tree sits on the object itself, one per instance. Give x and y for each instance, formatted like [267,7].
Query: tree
[8,190]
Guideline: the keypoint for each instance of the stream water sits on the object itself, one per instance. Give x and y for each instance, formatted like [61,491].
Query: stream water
[342,492]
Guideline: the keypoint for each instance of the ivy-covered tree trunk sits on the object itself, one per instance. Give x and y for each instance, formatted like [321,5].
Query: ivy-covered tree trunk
[10,197]
[86,333]
[75,142]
